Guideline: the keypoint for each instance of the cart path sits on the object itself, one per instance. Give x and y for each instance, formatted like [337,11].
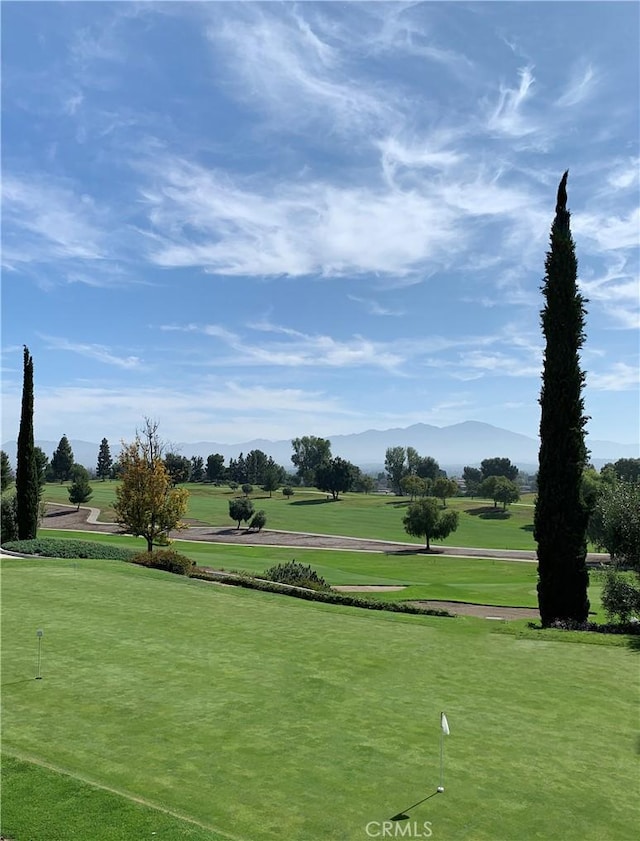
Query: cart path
[60,516]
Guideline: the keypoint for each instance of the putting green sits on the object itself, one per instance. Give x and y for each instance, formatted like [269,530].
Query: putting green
[268,718]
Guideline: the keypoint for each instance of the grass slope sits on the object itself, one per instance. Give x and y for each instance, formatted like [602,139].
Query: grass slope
[355,515]
[478,580]
[268,718]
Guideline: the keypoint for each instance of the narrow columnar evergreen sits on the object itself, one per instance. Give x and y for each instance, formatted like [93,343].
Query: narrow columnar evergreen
[561,515]
[27,475]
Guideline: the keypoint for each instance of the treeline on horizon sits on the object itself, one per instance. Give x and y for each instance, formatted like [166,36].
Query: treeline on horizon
[406,472]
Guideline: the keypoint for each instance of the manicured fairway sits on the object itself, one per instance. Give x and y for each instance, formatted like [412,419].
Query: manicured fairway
[354,515]
[478,580]
[267,718]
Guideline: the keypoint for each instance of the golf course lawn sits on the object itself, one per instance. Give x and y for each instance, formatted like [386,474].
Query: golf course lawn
[264,718]
[372,516]
[477,580]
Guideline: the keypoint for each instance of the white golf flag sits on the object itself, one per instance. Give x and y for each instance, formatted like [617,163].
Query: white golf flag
[445,724]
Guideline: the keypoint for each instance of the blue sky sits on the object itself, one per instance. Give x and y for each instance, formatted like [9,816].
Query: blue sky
[271,219]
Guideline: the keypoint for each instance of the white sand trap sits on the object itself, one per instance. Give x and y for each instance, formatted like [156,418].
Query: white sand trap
[369,588]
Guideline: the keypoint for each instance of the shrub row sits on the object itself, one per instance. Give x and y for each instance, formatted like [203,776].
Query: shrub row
[318,595]
[296,574]
[50,547]
[632,628]
[166,559]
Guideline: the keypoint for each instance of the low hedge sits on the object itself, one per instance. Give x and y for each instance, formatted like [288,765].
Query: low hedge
[318,595]
[50,547]
[296,574]
[631,628]
[166,559]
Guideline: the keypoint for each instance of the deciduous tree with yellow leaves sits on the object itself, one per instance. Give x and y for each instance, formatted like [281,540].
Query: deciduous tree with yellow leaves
[147,504]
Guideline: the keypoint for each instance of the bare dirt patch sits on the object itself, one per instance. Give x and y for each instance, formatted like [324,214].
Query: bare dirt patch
[484,611]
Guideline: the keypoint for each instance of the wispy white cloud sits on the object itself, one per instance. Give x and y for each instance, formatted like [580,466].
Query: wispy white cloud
[507,115]
[290,228]
[47,221]
[625,175]
[279,60]
[620,377]
[218,411]
[609,232]
[374,308]
[298,350]
[581,85]
[92,351]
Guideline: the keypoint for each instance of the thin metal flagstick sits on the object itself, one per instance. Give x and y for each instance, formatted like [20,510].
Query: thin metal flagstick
[441,787]
[444,731]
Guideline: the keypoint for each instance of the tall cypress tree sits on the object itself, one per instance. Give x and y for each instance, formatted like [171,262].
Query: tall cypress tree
[27,477]
[560,521]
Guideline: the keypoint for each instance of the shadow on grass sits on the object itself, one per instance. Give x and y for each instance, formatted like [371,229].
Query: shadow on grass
[416,551]
[634,645]
[315,501]
[488,512]
[16,682]
[527,528]
[402,816]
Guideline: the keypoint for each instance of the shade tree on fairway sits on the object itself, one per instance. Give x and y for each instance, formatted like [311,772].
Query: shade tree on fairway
[178,467]
[560,519]
[80,490]
[105,461]
[241,509]
[271,481]
[498,467]
[444,489]
[62,461]
[399,463]
[427,468]
[500,489]
[472,480]
[215,469]
[414,486]
[336,476]
[394,464]
[197,469]
[309,453]
[364,483]
[614,524]
[425,518]
[146,503]
[27,472]
[258,521]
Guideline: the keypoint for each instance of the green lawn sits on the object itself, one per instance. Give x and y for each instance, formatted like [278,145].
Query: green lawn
[267,718]
[355,515]
[479,580]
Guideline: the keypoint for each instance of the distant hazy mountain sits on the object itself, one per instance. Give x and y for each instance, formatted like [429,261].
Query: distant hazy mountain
[452,446]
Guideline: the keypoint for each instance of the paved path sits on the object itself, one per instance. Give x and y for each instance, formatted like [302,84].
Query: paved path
[86,519]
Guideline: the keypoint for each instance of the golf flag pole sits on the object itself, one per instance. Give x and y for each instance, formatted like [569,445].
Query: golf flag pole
[444,731]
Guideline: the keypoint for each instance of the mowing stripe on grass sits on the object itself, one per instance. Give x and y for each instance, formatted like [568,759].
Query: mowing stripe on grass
[120,792]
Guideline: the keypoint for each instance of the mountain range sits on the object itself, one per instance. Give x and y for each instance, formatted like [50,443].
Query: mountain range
[453,447]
